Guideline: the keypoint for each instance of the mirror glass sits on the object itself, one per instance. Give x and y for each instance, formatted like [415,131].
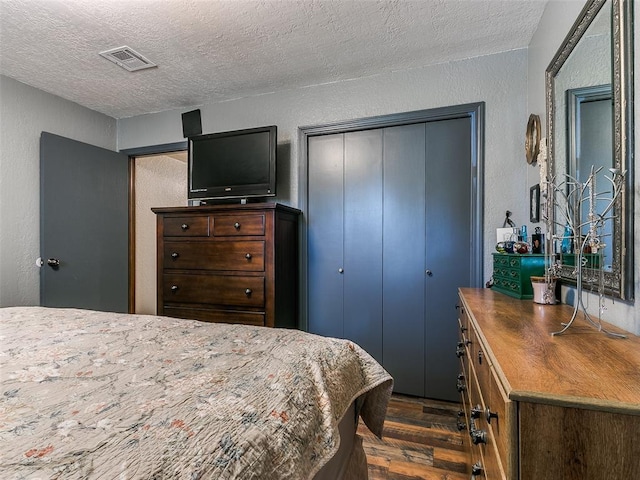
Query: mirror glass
[590,126]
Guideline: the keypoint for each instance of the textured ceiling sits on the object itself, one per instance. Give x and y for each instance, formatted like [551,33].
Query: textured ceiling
[210,51]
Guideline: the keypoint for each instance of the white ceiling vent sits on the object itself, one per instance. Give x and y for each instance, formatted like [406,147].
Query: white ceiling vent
[127,58]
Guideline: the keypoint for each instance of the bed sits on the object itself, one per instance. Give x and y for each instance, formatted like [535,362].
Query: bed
[90,394]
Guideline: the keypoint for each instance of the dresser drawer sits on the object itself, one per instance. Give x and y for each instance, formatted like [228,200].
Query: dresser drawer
[216,316]
[232,225]
[241,291]
[244,256]
[502,425]
[193,226]
[509,261]
[507,273]
[508,286]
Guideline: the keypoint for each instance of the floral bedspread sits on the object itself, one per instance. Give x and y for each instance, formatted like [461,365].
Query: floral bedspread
[113,396]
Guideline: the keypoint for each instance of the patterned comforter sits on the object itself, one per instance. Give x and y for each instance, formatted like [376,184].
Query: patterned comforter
[114,396]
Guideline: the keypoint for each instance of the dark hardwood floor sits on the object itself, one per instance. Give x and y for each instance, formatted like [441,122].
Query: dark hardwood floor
[420,441]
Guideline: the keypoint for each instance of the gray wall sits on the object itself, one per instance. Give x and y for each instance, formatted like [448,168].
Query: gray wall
[499,80]
[24,113]
[556,22]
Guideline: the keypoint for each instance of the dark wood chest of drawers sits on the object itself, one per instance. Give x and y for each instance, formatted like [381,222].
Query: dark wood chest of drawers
[229,263]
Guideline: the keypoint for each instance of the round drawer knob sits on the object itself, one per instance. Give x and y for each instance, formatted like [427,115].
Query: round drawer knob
[184,226]
[174,288]
[489,415]
[341,270]
[236,226]
[175,255]
[248,256]
[247,292]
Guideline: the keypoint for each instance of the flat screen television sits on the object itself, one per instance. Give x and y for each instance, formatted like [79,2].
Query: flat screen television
[235,164]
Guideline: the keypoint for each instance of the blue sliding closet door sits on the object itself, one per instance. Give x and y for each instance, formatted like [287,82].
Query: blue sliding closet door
[389,242]
[363,240]
[403,263]
[325,238]
[345,240]
[448,257]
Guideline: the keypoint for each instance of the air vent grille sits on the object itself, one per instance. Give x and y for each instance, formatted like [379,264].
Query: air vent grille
[127,58]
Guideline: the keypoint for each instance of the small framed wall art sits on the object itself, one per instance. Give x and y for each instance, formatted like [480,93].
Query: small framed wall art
[534,203]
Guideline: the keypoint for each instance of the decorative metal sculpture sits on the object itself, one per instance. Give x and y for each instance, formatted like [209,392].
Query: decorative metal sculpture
[564,209]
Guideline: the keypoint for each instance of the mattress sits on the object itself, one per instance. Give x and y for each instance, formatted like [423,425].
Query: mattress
[103,395]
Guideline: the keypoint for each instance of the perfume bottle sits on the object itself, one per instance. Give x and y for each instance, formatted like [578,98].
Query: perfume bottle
[566,245]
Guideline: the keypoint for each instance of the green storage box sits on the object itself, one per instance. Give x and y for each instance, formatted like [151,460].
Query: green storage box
[512,273]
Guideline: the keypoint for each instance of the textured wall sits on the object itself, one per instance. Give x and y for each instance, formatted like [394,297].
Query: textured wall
[556,22]
[160,181]
[499,80]
[24,113]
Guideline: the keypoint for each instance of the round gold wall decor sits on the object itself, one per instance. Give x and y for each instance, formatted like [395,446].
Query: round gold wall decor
[532,139]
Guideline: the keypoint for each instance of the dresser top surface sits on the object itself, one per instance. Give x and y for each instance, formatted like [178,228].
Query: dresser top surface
[582,367]
[224,207]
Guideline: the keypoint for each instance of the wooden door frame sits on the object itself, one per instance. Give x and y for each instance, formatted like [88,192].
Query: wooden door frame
[474,111]
[133,153]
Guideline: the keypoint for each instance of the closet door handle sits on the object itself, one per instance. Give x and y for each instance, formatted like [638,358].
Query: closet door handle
[341,270]
[429,273]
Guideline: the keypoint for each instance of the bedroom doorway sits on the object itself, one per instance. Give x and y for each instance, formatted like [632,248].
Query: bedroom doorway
[159,180]
[393,227]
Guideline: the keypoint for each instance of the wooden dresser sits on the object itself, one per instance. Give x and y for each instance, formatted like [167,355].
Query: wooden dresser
[229,263]
[538,406]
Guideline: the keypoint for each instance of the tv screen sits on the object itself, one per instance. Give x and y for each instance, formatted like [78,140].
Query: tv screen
[235,164]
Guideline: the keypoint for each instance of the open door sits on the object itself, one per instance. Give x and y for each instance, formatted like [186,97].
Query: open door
[84,225]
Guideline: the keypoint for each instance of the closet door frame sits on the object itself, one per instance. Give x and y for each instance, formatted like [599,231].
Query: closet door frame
[474,111]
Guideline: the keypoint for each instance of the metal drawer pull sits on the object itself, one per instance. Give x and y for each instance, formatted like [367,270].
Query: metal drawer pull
[236,226]
[478,437]
[476,469]
[174,288]
[247,292]
[489,415]
[248,256]
[175,255]
[476,411]
[184,226]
